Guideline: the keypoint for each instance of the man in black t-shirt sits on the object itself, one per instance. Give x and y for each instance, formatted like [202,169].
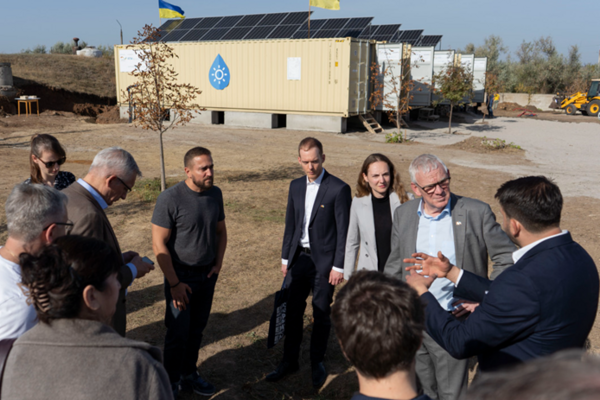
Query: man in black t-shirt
[379,323]
[189,239]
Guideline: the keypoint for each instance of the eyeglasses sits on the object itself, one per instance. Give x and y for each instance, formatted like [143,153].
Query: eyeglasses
[124,184]
[429,189]
[68,223]
[50,164]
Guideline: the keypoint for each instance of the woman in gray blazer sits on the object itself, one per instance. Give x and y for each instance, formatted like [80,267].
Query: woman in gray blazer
[379,192]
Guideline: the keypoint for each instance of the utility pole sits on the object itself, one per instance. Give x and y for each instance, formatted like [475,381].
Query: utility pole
[121,31]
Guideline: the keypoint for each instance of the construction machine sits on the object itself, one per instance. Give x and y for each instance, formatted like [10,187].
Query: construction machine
[588,103]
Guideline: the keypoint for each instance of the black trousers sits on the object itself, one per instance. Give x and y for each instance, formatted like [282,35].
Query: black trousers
[305,278]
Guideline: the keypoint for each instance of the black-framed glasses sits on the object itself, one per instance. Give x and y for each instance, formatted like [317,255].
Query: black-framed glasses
[68,223]
[124,184]
[429,189]
[50,164]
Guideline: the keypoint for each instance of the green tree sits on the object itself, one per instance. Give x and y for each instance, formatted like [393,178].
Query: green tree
[454,85]
[161,103]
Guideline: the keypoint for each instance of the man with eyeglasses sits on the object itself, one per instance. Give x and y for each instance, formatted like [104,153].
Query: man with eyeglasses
[36,215]
[464,230]
[110,177]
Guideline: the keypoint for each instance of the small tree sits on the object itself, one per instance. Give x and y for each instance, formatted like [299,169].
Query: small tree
[392,91]
[492,86]
[156,91]
[454,84]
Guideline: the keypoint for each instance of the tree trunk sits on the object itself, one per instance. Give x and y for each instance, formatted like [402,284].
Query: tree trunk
[163,180]
[398,125]
[449,120]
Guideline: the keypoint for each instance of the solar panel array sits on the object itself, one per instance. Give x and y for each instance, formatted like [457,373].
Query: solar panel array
[430,40]
[237,27]
[380,32]
[409,37]
[292,25]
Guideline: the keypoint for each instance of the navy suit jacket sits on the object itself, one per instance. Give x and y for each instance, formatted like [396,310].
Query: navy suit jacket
[544,303]
[328,223]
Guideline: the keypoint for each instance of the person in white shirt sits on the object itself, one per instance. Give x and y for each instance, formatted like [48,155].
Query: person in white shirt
[36,215]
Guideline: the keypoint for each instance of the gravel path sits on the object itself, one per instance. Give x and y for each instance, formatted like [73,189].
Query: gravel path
[567,152]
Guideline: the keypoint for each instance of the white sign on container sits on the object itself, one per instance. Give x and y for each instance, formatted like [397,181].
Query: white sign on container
[294,68]
[128,60]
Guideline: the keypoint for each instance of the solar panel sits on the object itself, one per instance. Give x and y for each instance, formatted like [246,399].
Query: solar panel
[359,22]
[260,32]
[215,34]
[283,32]
[410,37]
[273,19]
[337,23]
[385,32]
[250,20]
[324,33]
[295,18]
[430,40]
[236,33]
[170,25]
[209,22]
[174,35]
[194,35]
[229,22]
[315,24]
[189,23]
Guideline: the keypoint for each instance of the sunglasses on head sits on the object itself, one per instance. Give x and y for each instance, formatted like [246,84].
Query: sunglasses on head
[50,164]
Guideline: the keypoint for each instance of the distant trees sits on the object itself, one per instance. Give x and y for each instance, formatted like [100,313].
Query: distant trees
[67,48]
[537,68]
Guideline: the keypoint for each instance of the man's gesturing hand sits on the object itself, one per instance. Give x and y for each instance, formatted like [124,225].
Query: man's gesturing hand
[430,265]
[284,269]
[335,278]
[179,293]
[419,282]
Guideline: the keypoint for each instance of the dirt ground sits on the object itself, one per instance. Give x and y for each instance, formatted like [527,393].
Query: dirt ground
[253,168]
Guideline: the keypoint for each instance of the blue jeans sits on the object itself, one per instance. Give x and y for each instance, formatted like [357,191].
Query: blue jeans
[184,328]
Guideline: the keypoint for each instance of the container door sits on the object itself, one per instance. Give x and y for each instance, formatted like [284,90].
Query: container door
[359,77]
[389,58]
[441,61]
[421,71]
[479,70]
[466,60]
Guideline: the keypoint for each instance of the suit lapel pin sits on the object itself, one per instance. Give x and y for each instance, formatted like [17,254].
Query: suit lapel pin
[458,223]
[322,206]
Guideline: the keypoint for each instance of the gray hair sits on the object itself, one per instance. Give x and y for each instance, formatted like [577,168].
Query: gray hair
[114,161]
[30,207]
[425,163]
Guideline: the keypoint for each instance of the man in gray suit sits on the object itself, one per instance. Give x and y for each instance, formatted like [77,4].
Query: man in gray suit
[463,229]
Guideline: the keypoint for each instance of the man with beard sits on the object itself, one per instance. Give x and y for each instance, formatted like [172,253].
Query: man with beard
[189,238]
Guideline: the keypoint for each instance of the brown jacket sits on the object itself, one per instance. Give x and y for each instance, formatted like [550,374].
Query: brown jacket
[83,359]
[91,221]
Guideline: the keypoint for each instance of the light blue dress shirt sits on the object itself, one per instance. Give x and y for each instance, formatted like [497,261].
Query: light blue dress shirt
[104,206]
[436,234]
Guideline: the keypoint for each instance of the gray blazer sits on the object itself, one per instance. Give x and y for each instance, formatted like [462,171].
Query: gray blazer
[361,233]
[477,235]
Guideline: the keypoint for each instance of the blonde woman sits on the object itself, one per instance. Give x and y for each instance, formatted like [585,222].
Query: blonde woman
[379,192]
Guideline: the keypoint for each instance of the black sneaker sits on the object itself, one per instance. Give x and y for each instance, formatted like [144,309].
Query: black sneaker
[195,383]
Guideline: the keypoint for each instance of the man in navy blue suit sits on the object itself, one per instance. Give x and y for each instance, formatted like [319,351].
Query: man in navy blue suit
[314,242]
[545,302]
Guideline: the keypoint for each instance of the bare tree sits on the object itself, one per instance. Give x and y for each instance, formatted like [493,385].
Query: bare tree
[156,91]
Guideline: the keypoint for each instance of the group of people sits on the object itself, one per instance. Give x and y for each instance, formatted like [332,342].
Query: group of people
[418,302]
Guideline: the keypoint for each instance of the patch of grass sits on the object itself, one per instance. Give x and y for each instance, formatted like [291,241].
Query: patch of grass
[258,214]
[94,76]
[147,190]
[395,137]
[497,144]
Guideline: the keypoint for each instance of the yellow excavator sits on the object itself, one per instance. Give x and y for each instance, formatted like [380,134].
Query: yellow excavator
[588,103]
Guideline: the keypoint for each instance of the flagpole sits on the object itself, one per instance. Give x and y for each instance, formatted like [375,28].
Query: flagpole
[309,19]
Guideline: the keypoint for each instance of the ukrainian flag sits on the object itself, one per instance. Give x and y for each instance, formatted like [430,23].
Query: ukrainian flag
[167,10]
[327,4]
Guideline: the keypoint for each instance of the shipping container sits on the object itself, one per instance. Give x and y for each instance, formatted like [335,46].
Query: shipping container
[390,57]
[328,77]
[421,72]
[479,71]
[441,60]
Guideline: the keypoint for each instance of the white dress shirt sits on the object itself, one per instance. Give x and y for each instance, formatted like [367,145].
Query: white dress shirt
[312,189]
[16,316]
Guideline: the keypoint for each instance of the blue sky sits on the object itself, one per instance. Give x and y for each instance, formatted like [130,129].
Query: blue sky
[29,23]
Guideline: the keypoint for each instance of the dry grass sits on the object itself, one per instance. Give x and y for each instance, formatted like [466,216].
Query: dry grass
[94,76]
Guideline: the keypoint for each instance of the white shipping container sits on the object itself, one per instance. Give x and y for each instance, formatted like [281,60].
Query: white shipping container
[421,71]
[479,71]
[389,59]
[441,61]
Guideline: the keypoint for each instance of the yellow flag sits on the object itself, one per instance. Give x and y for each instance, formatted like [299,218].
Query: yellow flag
[328,4]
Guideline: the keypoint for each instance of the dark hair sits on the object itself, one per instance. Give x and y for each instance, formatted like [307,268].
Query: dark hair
[534,201]
[40,143]
[308,143]
[568,374]
[193,153]
[362,188]
[379,321]
[55,279]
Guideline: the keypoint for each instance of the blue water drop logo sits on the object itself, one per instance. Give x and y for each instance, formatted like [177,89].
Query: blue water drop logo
[219,74]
